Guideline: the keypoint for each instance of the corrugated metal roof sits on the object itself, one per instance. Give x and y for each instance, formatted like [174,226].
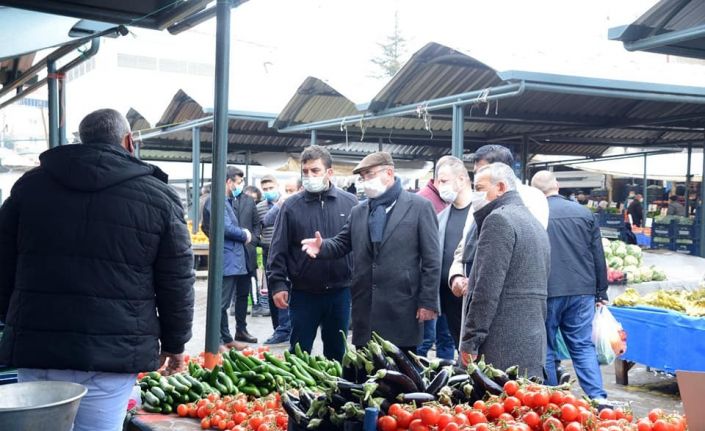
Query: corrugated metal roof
[584,115]
[314,99]
[653,31]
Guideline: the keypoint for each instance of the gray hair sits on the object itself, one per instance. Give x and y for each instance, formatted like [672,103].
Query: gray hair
[500,173]
[103,127]
[545,181]
[455,164]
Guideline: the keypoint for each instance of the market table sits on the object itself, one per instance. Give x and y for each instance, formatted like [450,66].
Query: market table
[156,421]
[661,339]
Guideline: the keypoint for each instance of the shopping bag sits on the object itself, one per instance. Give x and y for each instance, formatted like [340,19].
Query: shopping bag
[608,336]
[561,349]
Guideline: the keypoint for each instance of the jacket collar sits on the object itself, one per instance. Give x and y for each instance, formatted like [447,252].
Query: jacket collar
[331,192]
[509,198]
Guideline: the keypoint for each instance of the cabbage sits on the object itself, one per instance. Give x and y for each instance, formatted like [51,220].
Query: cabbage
[616,244]
[658,274]
[605,243]
[631,261]
[620,251]
[634,250]
[615,262]
[608,252]
[645,274]
[631,268]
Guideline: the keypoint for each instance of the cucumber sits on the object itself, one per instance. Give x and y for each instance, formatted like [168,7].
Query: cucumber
[166,409]
[181,388]
[149,408]
[150,398]
[154,375]
[158,392]
[181,378]
[196,386]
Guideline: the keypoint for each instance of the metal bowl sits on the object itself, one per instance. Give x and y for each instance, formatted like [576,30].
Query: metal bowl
[39,405]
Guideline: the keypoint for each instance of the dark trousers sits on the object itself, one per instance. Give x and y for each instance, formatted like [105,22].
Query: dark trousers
[238,286]
[329,310]
[452,309]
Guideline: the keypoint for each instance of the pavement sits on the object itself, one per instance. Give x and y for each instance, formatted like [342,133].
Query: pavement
[647,389]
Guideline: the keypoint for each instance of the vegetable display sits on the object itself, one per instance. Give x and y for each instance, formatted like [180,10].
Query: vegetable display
[625,263]
[683,301]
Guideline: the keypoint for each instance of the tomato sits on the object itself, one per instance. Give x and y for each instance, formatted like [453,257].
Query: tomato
[573,426]
[387,423]
[552,424]
[663,425]
[255,421]
[429,415]
[443,420]
[679,423]
[282,421]
[607,414]
[239,417]
[494,410]
[394,409]
[205,423]
[202,412]
[644,425]
[527,399]
[582,403]
[505,417]
[182,410]
[192,411]
[452,426]
[655,415]
[213,397]
[541,399]
[403,418]
[532,419]
[418,425]
[569,412]
[480,405]
[511,403]
[569,399]
[557,397]
[476,417]
[511,387]
[460,419]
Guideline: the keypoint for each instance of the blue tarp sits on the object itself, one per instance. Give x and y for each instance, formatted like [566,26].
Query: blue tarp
[662,339]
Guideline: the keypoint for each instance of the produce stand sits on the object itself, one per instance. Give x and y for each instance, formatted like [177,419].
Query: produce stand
[157,422]
[660,339]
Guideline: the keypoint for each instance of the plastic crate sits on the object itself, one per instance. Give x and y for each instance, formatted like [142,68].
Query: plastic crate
[687,230]
[662,245]
[693,249]
[615,221]
[662,229]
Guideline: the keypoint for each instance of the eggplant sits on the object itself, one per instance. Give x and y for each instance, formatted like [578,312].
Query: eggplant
[396,379]
[499,376]
[512,372]
[416,397]
[305,399]
[403,362]
[391,366]
[378,358]
[337,401]
[294,412]
[459,396]
[536,379]
[481,380]
[458,379]
[345,388]
[438,382]
[445,396]
[421,362]
[386,390]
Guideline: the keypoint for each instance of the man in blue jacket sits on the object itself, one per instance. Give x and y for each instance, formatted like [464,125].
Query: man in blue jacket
[236,278]
[577,281]
[320,289]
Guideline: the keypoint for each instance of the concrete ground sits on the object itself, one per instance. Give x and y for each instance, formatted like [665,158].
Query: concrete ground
[646,390]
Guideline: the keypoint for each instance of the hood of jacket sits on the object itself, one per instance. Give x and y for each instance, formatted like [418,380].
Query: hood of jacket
[91,168]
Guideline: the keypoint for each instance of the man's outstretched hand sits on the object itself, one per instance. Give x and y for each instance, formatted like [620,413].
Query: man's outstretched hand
[312,246]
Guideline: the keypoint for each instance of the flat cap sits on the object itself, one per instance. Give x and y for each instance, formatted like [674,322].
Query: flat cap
[380,158]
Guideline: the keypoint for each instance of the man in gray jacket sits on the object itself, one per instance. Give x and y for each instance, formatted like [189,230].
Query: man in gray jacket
[393,237]
[505,306]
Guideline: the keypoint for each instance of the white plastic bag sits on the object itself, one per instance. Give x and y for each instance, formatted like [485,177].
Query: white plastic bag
[608,336]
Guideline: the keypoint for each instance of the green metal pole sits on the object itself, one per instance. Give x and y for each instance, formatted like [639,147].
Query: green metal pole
[380,145]
[220,153]
[457,133]
[196,190]
[314,136]
[687,180]
[248,154]
[53,102]
[524,157]
[645,208]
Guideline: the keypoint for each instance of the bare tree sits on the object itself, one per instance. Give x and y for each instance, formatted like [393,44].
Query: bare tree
[389,61]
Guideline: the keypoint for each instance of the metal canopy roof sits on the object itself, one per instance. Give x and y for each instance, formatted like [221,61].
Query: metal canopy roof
[153,14]
[675,27]
[560,114]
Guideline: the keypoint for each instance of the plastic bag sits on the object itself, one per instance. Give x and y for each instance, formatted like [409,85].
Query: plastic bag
[608,336]
[561,349]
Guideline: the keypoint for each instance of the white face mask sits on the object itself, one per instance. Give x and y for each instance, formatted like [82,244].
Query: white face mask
[448,194]
[314,184]
[374,187]
[479,200]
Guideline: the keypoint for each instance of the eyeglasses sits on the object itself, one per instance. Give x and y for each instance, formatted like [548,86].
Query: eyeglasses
[369,175]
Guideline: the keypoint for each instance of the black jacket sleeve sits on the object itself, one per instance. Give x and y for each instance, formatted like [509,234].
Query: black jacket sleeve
[598,257]
[9,218]
[339,245]
[430,258]
[277,268]
[173,282]
[256,226]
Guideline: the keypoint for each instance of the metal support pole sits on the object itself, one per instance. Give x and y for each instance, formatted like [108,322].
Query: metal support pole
[248,154]
[62,109]
[524,157]
[53,101]
[687,180]
[645,206]
[380,145]
[220,154]
[196,191]
[314,136]
[457,132]
[701,208]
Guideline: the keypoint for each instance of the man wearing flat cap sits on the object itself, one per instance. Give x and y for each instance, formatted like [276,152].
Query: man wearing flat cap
[393,236]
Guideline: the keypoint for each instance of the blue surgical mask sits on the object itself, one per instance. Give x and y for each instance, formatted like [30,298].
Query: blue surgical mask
[237,190]
[271,196]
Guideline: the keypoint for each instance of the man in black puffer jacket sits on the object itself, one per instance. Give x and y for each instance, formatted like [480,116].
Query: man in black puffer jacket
[96,279]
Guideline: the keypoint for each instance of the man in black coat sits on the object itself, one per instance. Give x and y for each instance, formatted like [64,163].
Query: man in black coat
[636,210]
[393,237]
[96,279]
